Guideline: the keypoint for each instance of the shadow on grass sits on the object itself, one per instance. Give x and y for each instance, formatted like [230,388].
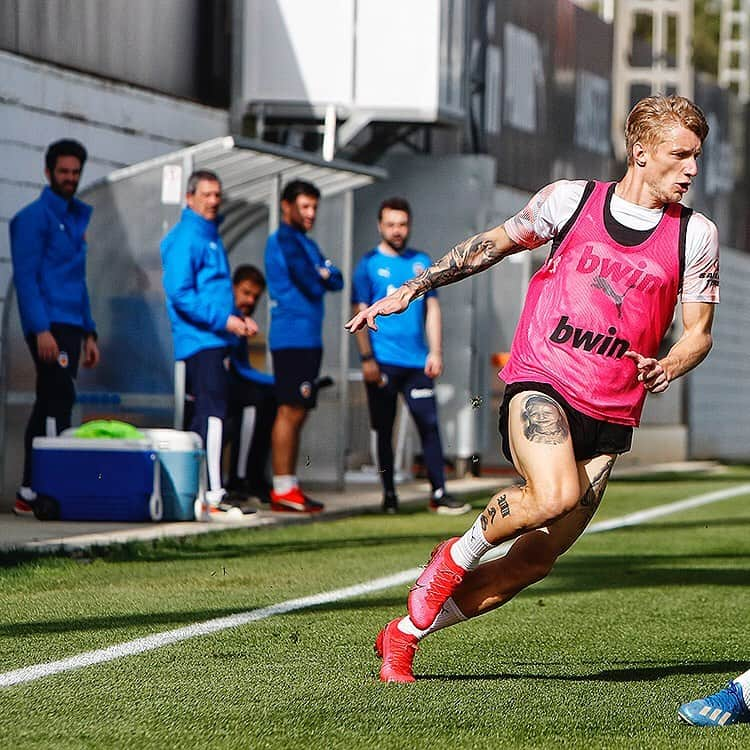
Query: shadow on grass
[636,673]
[573,575]
[217,546]
[241,544]
[171,619]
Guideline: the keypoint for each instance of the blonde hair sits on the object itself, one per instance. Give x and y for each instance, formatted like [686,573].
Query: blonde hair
[651,116]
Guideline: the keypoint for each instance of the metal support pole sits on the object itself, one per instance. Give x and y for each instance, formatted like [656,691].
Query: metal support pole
[347,231]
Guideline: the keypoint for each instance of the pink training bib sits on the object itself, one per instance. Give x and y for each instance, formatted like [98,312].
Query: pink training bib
[592,301]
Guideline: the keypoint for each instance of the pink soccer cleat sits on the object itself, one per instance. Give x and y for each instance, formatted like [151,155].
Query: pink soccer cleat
[438,582]
[397,650]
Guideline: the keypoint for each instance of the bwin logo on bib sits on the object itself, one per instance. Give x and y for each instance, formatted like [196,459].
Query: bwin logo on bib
[605,344]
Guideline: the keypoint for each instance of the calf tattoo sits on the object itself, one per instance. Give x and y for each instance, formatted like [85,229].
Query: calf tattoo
[544,420]
[595,492]
[491,511]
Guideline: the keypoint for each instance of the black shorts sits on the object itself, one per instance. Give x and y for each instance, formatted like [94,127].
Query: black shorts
[591,437]
[295,372]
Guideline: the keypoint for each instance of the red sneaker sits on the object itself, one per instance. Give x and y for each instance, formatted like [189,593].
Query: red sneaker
[397,650]
[438,582]
[294,501]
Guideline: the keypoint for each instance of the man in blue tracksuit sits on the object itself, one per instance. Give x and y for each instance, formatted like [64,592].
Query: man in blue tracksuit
[200,304]
[404,355]
[48,249]
[298,276]
[252,401]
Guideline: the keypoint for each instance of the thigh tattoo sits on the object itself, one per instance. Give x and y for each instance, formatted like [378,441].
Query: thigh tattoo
[544,420]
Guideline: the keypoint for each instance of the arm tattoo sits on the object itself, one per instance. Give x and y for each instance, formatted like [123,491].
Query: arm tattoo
[544,420]
[594,494]
[468,257]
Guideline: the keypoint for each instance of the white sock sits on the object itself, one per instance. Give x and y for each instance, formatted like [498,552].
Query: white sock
[284,483]
[468,550]
[449,615]
[26,493]
[213,451]
[214,497]
[744,682]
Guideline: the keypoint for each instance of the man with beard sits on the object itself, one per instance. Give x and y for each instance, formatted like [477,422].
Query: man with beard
[298,276]
[404,355]
[252,403]
[48,250]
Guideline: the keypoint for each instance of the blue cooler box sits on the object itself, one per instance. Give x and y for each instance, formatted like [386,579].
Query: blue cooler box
[182,479]
[80,479]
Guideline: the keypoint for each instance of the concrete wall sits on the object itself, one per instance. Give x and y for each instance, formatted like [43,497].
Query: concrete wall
[177,47]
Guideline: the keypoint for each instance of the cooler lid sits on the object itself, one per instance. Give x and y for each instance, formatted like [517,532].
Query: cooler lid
[164,439]
[90,444]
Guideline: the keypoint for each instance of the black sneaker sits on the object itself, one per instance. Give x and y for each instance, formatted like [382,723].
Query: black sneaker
[449,505]
[235,499]
[261,491]
[390,502]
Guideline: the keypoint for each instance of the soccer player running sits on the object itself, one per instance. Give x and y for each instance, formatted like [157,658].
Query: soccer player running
[584,355]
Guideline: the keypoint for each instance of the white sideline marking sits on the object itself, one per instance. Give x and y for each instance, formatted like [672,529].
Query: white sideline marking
[641,516]
[150,642]
[158,640]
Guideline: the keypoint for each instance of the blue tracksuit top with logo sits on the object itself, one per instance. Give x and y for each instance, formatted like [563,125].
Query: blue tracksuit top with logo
[198,285]
[400,339]
[48,248]
[296,289]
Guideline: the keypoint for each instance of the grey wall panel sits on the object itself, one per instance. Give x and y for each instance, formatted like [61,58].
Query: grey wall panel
[718,390]
[180,47]
[451,198]
[506,287]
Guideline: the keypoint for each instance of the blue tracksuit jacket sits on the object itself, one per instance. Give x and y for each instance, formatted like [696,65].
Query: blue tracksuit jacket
[48,249]
[296,289]
[198,285]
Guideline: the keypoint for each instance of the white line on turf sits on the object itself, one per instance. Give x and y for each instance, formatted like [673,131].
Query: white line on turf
[642,516]
[158,640]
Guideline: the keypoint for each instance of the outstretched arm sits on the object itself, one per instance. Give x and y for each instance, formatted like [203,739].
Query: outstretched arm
[688,352]
[471,256]
[433,326]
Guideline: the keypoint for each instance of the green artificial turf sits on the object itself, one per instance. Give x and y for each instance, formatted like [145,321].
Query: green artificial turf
[629,624]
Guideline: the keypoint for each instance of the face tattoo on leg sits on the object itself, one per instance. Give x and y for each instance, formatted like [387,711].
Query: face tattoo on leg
[543,420]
